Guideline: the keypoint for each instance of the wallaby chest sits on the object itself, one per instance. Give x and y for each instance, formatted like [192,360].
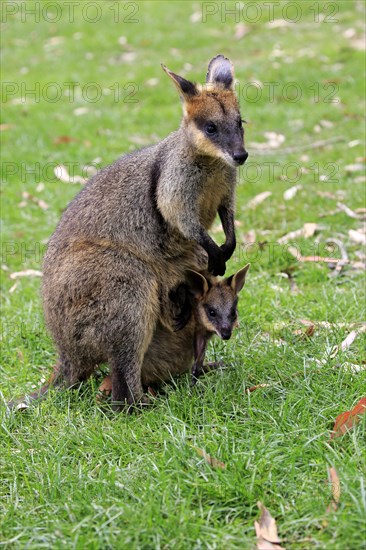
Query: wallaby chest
[214,190]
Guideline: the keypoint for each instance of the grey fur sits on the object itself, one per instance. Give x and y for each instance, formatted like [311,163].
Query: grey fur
[121,245]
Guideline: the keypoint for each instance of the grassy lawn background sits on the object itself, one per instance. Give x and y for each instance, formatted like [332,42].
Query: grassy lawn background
[74,477]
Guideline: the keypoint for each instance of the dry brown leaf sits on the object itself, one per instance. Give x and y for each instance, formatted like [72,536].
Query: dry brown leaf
[258,199]
[28,197]
[357,237]
[240,31]
[64,139]
[104,390]
[333,480]
[306,231]
[351,367]
[249,237]
[266,531]
[79,111]
[106,385]
[326,195]
[13,288]
[354,167]
[291,192]
[22,406]
[26,273]
[62,174]
[347,342]
[4,127]
[308,332]
[350,213]
[316,259]
[212,461]
[196,17]
[326,324]
[253,388]
[346,421]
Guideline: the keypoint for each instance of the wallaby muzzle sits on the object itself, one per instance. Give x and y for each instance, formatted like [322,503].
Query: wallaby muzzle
[240,156]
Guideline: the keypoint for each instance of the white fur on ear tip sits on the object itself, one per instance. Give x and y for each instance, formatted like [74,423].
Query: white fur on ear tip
[221,72]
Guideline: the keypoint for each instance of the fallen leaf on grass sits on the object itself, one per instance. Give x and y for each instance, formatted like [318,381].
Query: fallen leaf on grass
[62,174]
[347,420]
[347,342]
[13,288]
[26,273]
[357,237]
[104,390]
[253,388]
[258,199]
[28,197]
[316,259]
[291,192]
[326,194]
[22,407]
[240,30]
[306,231]
[266,531]
[308,332]
[344,208]
[333,480]
[249,237]
[358,167]
[211,460]
[64,139]
[351,367]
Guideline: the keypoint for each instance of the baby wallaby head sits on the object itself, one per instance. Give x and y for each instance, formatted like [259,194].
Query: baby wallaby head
[216,301]
[212,120]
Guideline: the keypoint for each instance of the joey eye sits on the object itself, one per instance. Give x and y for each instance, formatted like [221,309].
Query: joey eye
[212,313]
[211,128]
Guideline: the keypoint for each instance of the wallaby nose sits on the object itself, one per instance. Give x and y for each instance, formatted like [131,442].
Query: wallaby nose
[225,333]
[240,156]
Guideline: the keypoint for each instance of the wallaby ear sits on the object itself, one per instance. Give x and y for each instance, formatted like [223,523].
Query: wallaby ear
[237,281]
[221,71]
[197,283]
[185,88]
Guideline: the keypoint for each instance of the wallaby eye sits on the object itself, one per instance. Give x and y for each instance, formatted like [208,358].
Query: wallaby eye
[212,313]
[240,123]
[211,128]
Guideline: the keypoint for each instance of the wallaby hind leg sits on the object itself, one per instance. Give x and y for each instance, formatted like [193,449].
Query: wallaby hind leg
[127,389]
[126,367]
[131,331]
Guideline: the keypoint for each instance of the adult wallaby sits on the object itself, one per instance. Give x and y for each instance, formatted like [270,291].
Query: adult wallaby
[214,311]
[131,234]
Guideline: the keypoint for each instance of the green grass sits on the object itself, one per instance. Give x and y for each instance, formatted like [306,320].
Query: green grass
[73,476]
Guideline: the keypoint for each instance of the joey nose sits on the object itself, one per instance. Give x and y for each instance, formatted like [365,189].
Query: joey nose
[240,156]
[225,333]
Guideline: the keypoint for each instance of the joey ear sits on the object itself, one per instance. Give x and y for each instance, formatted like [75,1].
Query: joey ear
[197,283]
[237,281]
[185,88]
[221,71]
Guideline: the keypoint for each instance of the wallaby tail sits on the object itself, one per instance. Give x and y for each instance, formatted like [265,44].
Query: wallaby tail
[55,380]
